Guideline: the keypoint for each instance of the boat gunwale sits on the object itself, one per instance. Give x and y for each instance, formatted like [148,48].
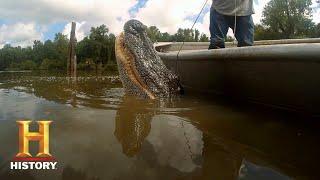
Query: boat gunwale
[256,43]
[309,52]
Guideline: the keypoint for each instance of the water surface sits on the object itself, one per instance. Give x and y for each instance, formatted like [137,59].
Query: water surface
[100,133]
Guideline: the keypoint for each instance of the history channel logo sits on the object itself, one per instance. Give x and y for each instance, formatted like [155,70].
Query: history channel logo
[24,160]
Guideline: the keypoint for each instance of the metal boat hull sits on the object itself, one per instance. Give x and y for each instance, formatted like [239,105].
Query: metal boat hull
[284,75]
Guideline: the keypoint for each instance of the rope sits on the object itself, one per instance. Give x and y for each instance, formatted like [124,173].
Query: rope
[235,21]
[191,29]
[187,141]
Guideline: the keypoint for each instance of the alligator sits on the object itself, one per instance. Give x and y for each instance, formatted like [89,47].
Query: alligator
[141,70]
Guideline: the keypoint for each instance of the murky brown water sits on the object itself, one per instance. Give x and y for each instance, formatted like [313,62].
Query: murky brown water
[99,133]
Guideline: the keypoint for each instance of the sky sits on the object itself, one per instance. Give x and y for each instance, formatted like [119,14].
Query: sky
[23,21]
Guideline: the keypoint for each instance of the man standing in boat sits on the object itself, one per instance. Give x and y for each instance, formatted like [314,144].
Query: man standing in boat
[234,14]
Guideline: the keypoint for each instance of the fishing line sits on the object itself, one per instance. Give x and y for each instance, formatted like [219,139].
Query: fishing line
[191,29]
[176,69]
[235,21]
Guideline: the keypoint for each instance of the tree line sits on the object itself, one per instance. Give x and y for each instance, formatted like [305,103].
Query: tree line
[187,35]
[95,49]
[286,19]
[282,19]
[94,52]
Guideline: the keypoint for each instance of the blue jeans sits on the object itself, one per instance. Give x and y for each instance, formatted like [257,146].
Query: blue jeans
[219,25]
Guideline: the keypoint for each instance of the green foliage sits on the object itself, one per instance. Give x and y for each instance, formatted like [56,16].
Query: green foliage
[98,47]
[154,33]
[52,64]
[187,35]
[316,31]
[286,19]
[262,33]
[204,38]
[24,65]
[61,47]
[48,55]
[28,65]
[87,64]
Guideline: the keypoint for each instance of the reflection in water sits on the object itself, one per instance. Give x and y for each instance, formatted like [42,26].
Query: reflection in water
[87,90]
[72,83]
[98,133]
[220,162]
[70,173]
[252,171]
[182,139]
[132,125]
[17,175]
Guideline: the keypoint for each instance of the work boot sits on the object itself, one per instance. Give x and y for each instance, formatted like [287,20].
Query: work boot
[211,46]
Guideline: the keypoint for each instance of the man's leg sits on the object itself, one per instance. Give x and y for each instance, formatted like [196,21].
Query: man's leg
[244,31]
[218,29]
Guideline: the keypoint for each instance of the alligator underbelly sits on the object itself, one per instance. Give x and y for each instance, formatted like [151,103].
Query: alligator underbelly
[128,72]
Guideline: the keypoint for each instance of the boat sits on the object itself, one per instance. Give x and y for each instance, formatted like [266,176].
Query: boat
[278,73]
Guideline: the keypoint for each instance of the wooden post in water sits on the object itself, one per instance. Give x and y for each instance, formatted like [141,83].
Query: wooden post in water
[72,57]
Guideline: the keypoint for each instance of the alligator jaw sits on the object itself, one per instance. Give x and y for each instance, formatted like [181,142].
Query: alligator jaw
[128,72]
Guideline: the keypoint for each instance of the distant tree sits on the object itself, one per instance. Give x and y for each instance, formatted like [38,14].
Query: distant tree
[187,35]
[288,18]
[98,41]
[317,32]
[45,64]
[166,37]
[263,33]
[98,47]
[196,35]
[28,65]
[38,52]
[51,64]
[204,38]
[61,43]
[49,50]
[179,36]
[83,50]
[154,33]
[111,48]
[7,56]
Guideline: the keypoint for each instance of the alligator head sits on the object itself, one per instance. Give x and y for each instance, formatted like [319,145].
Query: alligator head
[141,70]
